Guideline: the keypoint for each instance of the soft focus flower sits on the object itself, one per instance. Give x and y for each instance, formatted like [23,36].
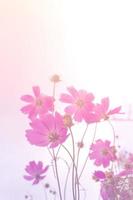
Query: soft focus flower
[126,172]
[35,171]
[108,191]
[102,110]
[98,175]
[46,185]
[117,188]
[125,160]
[109,174]
[80,103]
[37,104]
[55,78]
[102,153]
[48,131]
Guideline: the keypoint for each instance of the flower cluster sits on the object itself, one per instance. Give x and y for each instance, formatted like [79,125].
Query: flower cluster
[50,129]
[117,183]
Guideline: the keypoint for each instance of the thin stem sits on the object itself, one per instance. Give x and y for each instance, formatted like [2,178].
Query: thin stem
[58,151]
[94,136]
[81,142]
[52,161]
[114,135]
[73,174]
[67,173]
[84,165]
[74,165]
[54,89]
[66,180]
[80,148]
[50,152]
[57,175]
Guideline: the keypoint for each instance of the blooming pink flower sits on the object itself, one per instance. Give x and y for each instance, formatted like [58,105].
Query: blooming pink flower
[102,110]
[50,130]
[35,171]
[80,103]
[102,153]
[99,175]
[37,104]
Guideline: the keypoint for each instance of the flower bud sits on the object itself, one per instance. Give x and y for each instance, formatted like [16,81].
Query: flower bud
[80,144]
[55,78]
[67,121]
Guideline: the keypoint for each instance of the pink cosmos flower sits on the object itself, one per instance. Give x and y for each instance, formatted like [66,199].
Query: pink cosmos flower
[80,103]
[99,175]
[102,110]
[37,104]
[48,131]
[102,153]
[35,171]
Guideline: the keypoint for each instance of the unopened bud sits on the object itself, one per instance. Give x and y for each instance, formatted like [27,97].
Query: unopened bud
[67,121]
[55,78]
[80,144]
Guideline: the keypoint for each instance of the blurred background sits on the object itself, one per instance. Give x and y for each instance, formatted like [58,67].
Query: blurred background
[88,43]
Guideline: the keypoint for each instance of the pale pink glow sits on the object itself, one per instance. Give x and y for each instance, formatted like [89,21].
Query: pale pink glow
[29,53]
